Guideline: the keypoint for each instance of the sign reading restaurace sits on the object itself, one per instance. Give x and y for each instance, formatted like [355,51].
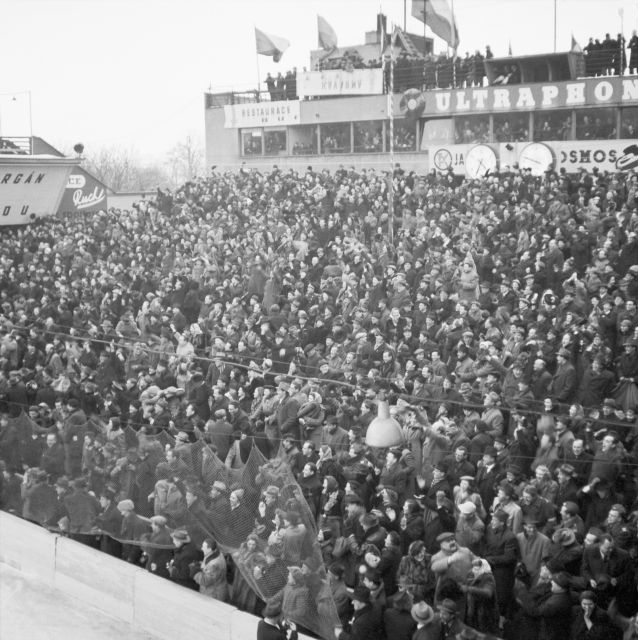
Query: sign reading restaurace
[261,114]
[546,95]
[358,82]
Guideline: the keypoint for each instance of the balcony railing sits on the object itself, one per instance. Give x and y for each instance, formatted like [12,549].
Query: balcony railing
[17,146]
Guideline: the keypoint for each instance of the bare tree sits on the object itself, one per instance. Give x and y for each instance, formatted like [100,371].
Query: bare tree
[185,160]
[121,170]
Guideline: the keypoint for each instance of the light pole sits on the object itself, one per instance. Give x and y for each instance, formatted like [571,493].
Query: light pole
[13,99]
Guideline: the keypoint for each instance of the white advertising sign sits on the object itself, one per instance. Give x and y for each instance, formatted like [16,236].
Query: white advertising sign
[607,155]
[30,190]
[261,114]
[442,158]
[358,82]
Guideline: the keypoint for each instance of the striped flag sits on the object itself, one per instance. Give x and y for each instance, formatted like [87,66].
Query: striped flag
[438,15]
[269,45]
[576,48]
[326,35]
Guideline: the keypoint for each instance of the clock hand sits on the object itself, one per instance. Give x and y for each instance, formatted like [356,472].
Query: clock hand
[531,160]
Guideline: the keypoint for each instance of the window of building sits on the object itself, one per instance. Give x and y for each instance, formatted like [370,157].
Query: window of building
[275,142]
[472,129]
[335,138]
[596,124]
[368,136]
[404,135]
[303,140]
[553,125]
[511,127]
[629,122]
[251,142]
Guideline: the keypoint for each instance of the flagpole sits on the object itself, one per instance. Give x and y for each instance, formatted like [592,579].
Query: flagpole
[453,50]
[257,61]
[425,50]
[405,14]
[555,2]
[391,115]
[620,40]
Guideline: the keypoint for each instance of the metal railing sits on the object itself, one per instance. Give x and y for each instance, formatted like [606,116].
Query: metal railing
[11,145]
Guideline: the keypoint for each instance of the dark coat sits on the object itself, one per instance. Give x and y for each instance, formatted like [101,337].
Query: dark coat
[365,625]
[500,549]
[266,631]
[399,625]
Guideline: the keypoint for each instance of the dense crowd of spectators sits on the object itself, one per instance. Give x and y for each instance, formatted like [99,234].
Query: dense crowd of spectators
[440,71]
[609,57]
[268,313]
[283,86]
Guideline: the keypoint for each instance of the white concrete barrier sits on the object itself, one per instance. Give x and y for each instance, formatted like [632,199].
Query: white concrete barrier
[170,611]
[152,604]
[95,578]
[27,547]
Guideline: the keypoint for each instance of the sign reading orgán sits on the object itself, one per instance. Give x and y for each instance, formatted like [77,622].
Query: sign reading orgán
[551,95]
[30,189]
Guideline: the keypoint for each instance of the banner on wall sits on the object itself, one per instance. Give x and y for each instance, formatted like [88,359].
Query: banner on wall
[83,194]
[358,82]
[607,155]
[449,156]
[261,114]
[29,190]
[547,95]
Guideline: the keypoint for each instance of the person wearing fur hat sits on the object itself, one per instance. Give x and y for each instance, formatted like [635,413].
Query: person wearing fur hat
[158,547]
[133,528]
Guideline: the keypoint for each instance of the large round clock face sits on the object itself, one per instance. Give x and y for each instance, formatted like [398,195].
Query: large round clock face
[442,159]
[480,161]
[537,157]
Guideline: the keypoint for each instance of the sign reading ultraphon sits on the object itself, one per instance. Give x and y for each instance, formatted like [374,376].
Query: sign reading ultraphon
[261,114]
[553,95]
[83,194]
[358,82]
[30,190]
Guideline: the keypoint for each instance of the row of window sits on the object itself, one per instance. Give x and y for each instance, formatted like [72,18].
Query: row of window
[374,136]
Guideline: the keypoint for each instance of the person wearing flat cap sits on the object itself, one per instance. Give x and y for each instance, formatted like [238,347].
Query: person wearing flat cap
[452,563]
[365,623]
[185,554]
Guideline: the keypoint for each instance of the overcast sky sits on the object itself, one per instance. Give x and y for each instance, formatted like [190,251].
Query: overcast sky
[132,73]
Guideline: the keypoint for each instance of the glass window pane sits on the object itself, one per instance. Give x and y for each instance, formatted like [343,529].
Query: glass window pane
[472,129]
[303,140]
[368,137]
[553,125]
[335,138]
[251,142]
[275,143]
[629,126]
[404,135]
[511,127]
[596,124]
